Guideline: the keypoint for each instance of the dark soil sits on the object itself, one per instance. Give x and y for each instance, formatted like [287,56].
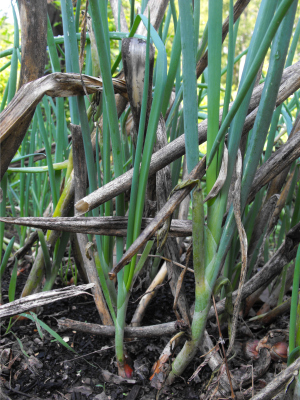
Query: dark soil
[38,367]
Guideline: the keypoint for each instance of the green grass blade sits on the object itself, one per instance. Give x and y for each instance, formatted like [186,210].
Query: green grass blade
[213,104]
[77,15]
[6,256]
[8,64]
[143,258]
[131,12]
[173,67]
[13,282]
[189,83]
[294,43]
[57,261]
[48,155]
[230,61]
[60,131]
[71,51]
[48,329]
[14,61]
[196,4]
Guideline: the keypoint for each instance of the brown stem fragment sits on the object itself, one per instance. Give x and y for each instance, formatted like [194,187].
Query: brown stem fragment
[109,226]
[130,332]
[40,299]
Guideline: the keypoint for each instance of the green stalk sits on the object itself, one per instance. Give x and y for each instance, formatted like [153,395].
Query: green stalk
[57,261]
[71,51]
[166,24]
[230,61]
[213,104]
[176,165]
[13,282]
[120,324]
[202,288]
[30,161]
[22,188]
[237,58]
[294,43]
[5,260]
[107,241]
[77,15]
[189,83]
[174,15]
[131,12]
[12,83]
[48,155]
[60,117]
[175,106]
[8,64]
[203,43]
[110,297]
[4,99]
[173,67]
[196,21]
[143,258]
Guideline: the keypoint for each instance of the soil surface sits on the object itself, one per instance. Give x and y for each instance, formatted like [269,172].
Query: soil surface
[36,366]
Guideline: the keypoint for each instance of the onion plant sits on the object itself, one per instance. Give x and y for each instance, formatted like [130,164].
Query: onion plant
[184,96]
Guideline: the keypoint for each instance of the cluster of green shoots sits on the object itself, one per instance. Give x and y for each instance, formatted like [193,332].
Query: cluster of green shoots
[183,96]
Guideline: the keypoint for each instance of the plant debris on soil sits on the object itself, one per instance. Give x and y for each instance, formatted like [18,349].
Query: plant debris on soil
[35,365]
